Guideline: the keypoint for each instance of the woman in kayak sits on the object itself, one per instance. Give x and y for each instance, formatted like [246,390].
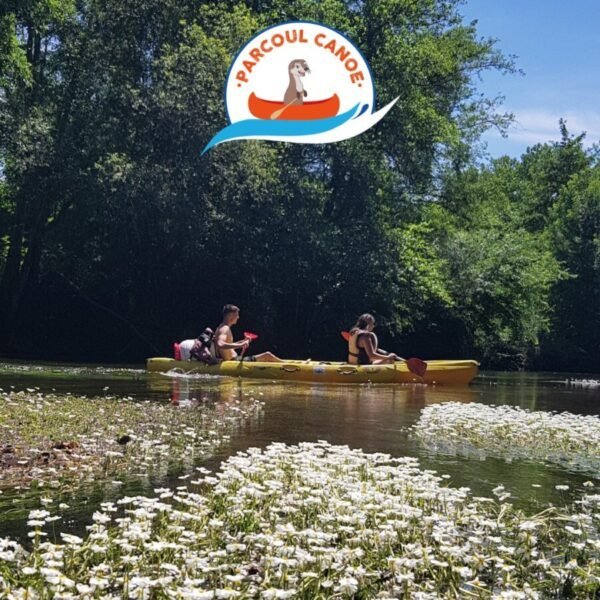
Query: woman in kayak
[362,344]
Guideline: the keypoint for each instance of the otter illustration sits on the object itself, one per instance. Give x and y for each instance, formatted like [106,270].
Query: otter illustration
[295,92]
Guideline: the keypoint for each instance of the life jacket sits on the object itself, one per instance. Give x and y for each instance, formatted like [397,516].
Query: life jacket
[361,356]
[201,350]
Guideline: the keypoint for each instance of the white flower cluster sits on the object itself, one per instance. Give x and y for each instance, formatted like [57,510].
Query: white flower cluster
[585,383]
[573,441]
[313,521]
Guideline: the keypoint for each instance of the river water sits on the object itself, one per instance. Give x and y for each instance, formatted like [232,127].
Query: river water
[375,418]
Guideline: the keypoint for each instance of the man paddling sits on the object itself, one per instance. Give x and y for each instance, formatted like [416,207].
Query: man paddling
[225,347]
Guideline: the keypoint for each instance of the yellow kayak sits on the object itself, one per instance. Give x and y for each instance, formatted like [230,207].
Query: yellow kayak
[439,372]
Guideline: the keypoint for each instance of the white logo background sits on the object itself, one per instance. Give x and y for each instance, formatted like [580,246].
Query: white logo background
[328,75]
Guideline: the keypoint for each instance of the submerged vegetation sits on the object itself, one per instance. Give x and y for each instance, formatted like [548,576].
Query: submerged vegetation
[311,521]
[59,441]
[570,440]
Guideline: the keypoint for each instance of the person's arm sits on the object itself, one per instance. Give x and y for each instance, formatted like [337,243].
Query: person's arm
[369,344]
[376,344]
[384,352]
[222,343]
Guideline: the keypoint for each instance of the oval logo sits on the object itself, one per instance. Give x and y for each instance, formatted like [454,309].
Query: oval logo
[299,82]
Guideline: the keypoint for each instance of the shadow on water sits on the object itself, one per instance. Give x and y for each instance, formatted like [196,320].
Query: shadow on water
[376,418]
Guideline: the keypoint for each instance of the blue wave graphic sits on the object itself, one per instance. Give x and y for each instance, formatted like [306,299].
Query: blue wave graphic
[263,127]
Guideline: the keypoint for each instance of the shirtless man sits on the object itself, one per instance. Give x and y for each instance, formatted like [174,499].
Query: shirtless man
[226,348]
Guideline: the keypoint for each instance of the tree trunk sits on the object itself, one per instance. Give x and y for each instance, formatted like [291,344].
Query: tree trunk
[22,263]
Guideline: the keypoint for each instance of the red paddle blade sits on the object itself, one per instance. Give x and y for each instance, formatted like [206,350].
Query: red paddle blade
[417,366]
[250,335]
[346,335]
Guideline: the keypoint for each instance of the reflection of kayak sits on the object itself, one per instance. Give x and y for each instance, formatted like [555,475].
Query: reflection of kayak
[263,109]
[442,372]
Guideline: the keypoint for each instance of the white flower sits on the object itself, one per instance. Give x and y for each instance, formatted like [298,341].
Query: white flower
[403,578]
[98,582]
[35,523]
[275,593]
[38,514]
[101,518]
[347,585]
[84,589]
[70,539]
[226,593]
[174,569]
[464,572]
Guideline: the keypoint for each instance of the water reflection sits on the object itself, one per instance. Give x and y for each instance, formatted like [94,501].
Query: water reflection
[187,388]
[540,391]
[373,417]
[377,418]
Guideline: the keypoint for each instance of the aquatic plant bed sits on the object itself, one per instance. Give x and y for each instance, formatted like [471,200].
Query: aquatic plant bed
[584,383]
[62,372]
[570,440]
[312,521]
[54,441]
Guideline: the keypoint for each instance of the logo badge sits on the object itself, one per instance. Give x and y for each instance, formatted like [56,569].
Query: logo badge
[299,82]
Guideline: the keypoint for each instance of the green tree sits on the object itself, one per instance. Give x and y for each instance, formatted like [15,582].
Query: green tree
[575,233]
[548,168]
[30,134]
[500,274]
[112,210]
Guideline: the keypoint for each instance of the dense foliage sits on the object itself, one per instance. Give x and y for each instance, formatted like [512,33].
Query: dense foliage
[117,238]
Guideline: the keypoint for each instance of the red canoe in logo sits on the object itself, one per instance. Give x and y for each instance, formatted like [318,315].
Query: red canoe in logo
[321,109]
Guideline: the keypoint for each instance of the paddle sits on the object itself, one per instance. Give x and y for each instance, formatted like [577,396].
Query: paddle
[275,114]
[415,365]
[250,336]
